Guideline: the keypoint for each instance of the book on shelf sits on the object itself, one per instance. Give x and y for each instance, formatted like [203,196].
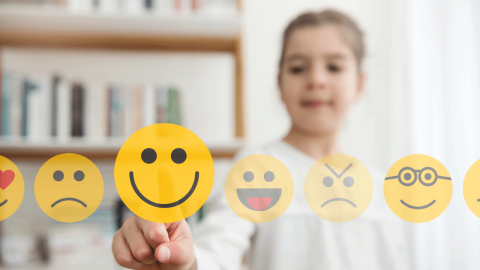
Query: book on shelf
[77,109]
[64,110]
[50,107]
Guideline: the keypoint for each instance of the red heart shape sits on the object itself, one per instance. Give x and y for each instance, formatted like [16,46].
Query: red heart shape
[6,178]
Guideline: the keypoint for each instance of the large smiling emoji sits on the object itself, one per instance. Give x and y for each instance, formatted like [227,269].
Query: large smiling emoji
[338,188]
[11,188]
[164,173]
[418,188]
[69,187]
[259,188]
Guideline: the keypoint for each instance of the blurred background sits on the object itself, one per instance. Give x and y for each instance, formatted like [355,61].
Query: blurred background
[82,75]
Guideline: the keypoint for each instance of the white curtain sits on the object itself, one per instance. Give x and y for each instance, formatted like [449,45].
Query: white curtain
[435,110]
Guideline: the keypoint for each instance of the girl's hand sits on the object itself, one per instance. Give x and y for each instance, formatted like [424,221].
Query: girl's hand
[141,244]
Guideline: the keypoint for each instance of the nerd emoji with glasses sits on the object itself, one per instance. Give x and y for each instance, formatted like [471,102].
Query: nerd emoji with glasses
[418,188]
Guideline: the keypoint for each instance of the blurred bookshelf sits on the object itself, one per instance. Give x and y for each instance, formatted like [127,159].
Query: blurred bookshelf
[60,27]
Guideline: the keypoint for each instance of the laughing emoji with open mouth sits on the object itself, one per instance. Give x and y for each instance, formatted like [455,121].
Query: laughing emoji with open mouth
[259,188]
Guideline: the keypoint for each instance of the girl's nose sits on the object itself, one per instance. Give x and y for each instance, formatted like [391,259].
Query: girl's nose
[317,79]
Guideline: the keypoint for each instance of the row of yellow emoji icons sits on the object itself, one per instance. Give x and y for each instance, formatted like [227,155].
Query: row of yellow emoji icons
[164,173]
[339,188]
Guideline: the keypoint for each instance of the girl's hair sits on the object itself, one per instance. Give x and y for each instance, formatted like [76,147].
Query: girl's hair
[348,28]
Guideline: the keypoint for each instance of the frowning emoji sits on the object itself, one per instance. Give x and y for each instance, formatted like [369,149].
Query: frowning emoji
[164,173]
[259,188]
[338,188]
[69,187]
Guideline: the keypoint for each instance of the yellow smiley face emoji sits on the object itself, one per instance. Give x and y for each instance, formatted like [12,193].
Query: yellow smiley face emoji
[471,188]
[164,173]
[68,187]
[338,188]
[259,188]
[418,188]
[11,188]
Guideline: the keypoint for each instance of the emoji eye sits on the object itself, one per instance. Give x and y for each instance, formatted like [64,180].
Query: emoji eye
[348,181]
[179,155]
[149,155]
[327,181]
[407,176]
[269,176]
[79,176]
[248,176]
[58,176]
[428,176]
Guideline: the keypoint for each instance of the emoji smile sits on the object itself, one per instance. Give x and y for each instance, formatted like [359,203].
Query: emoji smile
[164,205]
[418,207]
[338,199]
[259,199]
[69,199]
[4,202]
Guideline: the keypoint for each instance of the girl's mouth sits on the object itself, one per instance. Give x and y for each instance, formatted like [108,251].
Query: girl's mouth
[313,104]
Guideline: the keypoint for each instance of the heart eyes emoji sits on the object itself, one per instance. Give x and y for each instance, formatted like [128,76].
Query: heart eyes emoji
[6,178]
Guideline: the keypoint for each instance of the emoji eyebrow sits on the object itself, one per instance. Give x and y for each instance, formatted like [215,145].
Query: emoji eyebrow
[339,175]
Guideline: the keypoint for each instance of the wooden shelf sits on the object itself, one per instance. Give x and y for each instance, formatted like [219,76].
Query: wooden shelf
[93,150]
[37,27]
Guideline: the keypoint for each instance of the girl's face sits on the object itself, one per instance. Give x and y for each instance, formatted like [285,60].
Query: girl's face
[319,79]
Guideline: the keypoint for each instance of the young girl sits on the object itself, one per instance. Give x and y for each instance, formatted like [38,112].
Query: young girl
[320,78]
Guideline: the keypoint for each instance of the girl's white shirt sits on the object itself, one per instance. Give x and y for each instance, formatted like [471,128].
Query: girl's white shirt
[299,239]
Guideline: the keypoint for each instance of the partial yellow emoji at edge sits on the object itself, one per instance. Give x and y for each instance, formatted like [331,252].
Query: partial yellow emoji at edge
[164,173]
[69,187]
[418,188]
[11,188]
[338,188]
[471,188]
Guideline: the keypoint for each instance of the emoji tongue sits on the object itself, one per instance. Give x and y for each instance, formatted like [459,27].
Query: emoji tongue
[6,178]
[259,203]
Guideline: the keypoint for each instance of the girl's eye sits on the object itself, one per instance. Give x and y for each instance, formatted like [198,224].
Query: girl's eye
[297,70]
[334,68]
